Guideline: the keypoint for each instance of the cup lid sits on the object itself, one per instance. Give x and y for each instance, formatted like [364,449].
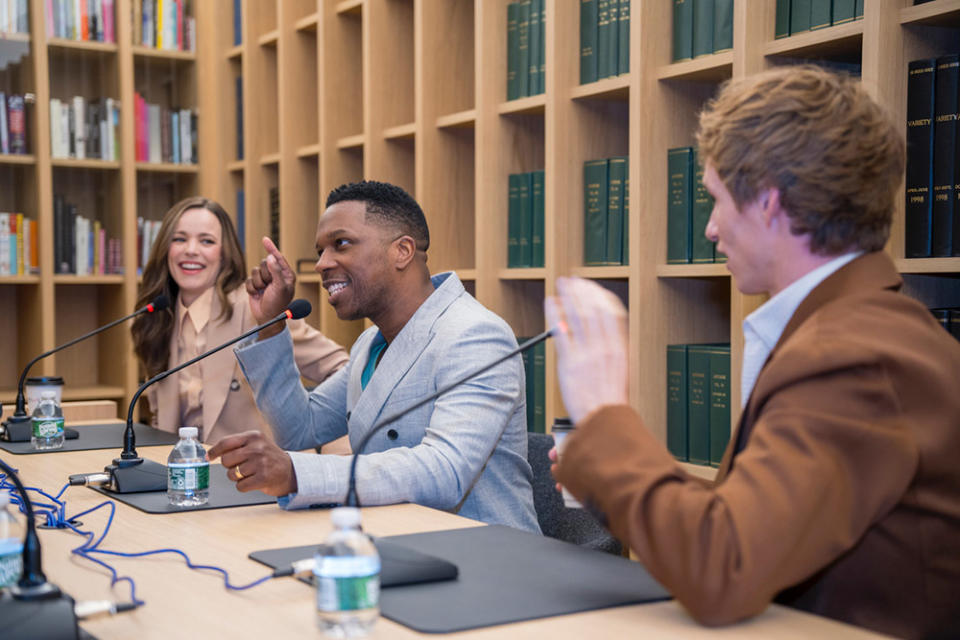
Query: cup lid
[44,381]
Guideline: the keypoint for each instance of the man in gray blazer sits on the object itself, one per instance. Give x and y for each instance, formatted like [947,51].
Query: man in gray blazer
[464,452]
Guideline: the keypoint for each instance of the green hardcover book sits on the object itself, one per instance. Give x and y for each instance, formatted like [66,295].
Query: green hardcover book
[679,210]
[616,179]
[542,75]
[513,52]
[523,40]
[623,38]
[701,248]
[858,9]
[525,233]
[719,402]
[723,26]
[594,212]
[613,39]
[843,11]
[514,219]
[626,216]
[819,14]
[682,30]
[781,28]
[588,41]
[536,259]
[677,400]
[605,27]
[702,27]
[533,69]
[698,403]
[799,16]
[539,358]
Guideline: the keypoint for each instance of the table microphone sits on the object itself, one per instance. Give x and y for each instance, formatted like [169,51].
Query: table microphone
[132,474]
[351,499]
[18,427]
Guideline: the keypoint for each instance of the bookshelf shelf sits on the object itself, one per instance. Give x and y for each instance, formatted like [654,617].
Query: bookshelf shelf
[401,132]
[839,40]
[15,37]
[928,265]
[75,163]
[307,23]
[347,7]
[467,275]
[15,158]
[83,45]
[522,274]
[699,470]
[270,159]
[715,270]
[613,272]
[236,166]
[269,39]
[310,151]
[716,67]
[616,88]
[532,104]
[69,279]
[351,142]
[21,279]
[235,53]
[942,13]
[164,54]
[460,120]
[167,167]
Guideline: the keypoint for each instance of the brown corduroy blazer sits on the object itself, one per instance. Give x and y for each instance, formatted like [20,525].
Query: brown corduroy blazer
[845,498]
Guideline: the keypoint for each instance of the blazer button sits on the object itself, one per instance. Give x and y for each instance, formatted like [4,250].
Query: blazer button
[392,434]
[234,385]
[348,416]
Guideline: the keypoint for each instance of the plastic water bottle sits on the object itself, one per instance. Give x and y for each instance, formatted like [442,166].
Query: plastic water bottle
[11,544]
[188,471]
[47,423]
[347,575]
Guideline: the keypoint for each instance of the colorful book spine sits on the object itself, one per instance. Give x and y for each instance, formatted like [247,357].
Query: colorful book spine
[781,28]
[820,14]
[524,239]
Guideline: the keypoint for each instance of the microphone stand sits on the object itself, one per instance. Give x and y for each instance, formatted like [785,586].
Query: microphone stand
[351,499]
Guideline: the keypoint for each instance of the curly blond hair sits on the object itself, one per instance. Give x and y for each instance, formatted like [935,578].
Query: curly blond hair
[834,154]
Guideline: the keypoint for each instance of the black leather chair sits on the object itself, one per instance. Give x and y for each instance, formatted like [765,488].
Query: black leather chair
[556,520]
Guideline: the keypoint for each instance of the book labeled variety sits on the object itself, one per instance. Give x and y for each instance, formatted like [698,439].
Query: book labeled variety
[164,24]
[535,372]
[932,228]
[526,50]
[13,122]
[698,402]
[689,206]
[164,135]
[81,128]
[88,20]
[14,16]
[797,16]
[604,39]
[81,245]
[18,245]
[606,189]
[701,27]
[525,219]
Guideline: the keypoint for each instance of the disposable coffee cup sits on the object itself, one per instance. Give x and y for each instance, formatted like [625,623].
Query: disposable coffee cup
[562,427]
[34,388]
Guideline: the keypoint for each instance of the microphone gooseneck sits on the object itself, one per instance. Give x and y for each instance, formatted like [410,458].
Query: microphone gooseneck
[351,499]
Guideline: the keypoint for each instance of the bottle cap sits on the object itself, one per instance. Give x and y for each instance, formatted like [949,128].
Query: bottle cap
[188,432]
[345,517]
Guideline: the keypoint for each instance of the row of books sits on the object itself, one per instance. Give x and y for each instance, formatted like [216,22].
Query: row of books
[797,16]
[13,123]
[147,231]
[698,402]
[81,245]
[525,217]
[164,24]
[689,206]
[81,128]
[949,319]
[164,135]
[606,189]
[526,48]
[535,372]
[701,27]
[90,20]
[14,16]
[18,245]
[933,170]
[604,39]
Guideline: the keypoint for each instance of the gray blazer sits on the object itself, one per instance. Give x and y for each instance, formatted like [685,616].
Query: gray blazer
[465,452]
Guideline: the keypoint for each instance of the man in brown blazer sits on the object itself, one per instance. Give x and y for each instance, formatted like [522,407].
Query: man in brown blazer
[839,492]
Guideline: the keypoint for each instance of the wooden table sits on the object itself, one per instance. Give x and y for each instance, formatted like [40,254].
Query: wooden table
[284,608]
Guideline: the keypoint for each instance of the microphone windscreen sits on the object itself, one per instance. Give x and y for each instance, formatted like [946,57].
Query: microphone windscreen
[161,302]
[299,308]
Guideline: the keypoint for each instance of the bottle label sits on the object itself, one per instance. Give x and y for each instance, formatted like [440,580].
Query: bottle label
[188,476]
[348,594]
[11,561]
[47,427]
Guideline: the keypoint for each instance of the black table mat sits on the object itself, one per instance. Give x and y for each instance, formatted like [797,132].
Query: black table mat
[99,436]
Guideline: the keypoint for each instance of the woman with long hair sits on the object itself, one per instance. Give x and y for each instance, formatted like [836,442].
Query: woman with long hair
[197,262]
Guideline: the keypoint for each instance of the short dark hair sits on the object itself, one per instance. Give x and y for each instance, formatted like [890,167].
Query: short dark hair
[389,204]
